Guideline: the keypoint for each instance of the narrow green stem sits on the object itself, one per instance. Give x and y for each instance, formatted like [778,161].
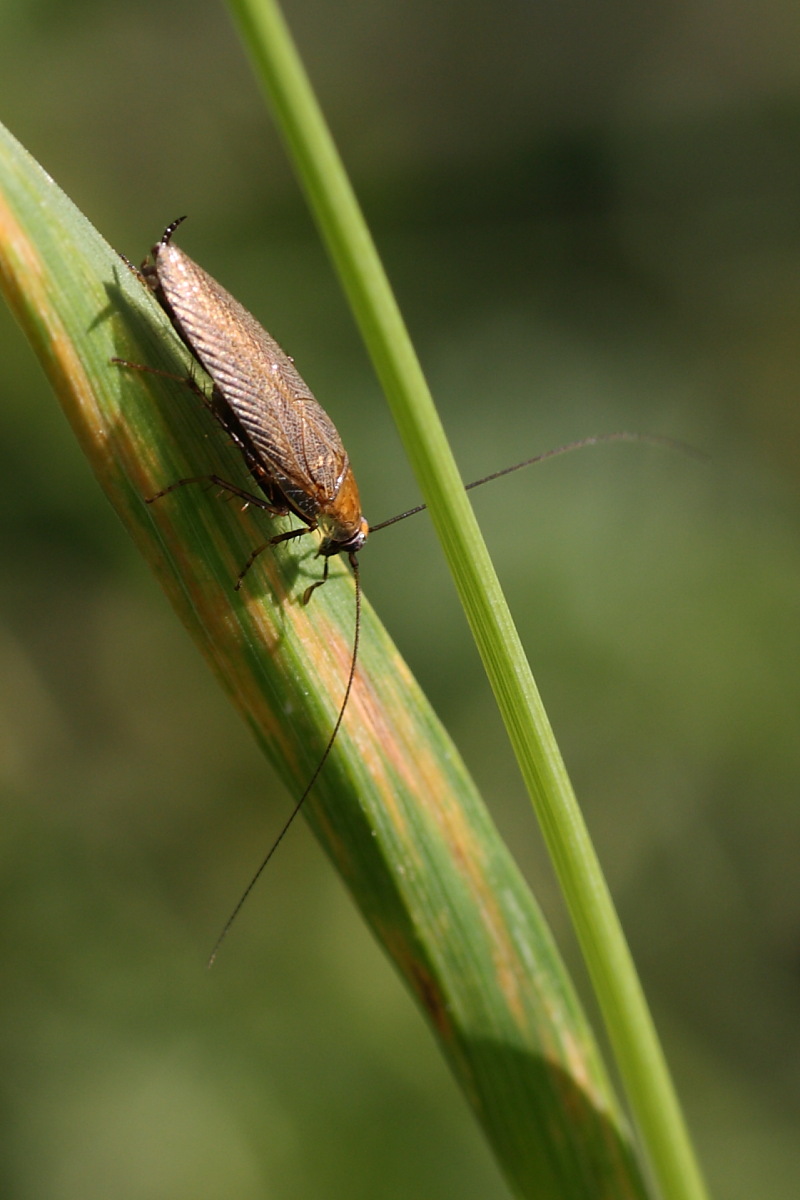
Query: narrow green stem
[641,1062]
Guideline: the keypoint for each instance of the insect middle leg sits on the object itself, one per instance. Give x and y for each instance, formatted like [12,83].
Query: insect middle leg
[234,489]
[276,510]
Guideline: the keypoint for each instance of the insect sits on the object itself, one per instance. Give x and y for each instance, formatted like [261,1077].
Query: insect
[289,444]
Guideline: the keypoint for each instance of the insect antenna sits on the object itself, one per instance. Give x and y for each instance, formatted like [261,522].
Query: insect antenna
[326,752]
[652,439]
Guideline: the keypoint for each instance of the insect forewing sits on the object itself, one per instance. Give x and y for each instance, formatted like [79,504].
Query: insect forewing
[258,381]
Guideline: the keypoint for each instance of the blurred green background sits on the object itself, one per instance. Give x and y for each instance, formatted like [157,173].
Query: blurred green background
[591,214]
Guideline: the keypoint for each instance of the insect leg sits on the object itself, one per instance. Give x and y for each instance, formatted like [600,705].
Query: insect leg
[132,268]
[248,497]
[319,583]
[185,379]
[274,541]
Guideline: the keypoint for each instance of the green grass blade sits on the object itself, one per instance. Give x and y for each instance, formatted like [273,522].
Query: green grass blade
[394,807]
[630,1027]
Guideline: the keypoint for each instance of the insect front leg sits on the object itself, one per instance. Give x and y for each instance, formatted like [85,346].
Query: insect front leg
[275,541]
[307,593]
